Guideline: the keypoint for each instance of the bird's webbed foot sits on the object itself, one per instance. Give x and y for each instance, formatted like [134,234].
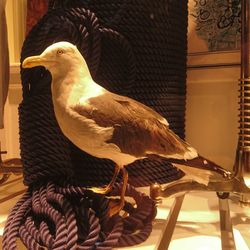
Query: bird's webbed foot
[106,189]
[101,190]
[115,206]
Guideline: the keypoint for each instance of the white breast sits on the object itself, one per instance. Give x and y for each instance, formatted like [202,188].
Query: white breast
[84,132]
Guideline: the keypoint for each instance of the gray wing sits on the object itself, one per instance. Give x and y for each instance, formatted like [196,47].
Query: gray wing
[138,130]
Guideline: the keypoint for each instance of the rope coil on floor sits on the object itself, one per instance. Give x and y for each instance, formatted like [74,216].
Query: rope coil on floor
[68,217]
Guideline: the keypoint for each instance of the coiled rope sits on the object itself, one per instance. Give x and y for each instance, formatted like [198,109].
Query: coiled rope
[36,82]
[67,217]
[57,212]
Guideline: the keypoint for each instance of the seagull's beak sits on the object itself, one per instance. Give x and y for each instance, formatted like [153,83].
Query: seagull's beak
[34,61]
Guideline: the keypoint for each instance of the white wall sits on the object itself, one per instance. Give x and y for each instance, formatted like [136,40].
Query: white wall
[212,112]
[16,15]
[212,98]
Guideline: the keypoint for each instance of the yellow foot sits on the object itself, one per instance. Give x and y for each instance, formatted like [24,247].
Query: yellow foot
[100,190]
[115,206]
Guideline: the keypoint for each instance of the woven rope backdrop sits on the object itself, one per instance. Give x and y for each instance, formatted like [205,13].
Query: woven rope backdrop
[146,55]
[145,47]
[135,48]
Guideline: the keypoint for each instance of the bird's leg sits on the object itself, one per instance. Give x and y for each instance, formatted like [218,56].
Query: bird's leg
[106,189]
[113,205]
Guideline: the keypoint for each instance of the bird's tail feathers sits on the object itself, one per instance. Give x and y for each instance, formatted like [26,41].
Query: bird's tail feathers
[184,149]
[170,145]
[191,153]
[198,162]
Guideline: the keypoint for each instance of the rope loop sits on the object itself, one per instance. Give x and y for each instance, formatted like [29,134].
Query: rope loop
[64,216]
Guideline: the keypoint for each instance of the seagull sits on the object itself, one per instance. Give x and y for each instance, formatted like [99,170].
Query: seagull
[102,123]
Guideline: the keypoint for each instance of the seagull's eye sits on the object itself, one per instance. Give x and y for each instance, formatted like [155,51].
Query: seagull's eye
[60,52]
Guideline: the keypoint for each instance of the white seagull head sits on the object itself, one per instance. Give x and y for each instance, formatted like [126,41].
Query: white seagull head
[58,58]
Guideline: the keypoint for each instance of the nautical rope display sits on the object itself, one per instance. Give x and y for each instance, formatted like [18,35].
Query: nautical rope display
[66,217]
[94,42]
[135,48]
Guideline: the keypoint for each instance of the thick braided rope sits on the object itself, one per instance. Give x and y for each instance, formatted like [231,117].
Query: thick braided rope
[49,156]
[37,82]
[67,217]
[9,232]
[138,225]
[156,31]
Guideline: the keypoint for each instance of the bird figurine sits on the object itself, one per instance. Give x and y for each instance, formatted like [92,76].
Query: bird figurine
[102,123]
